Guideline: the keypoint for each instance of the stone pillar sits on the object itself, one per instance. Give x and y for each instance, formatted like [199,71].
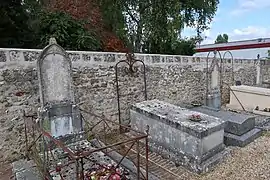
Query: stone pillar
[259,77]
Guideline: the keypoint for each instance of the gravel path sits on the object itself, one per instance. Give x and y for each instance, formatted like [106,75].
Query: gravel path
[249,163]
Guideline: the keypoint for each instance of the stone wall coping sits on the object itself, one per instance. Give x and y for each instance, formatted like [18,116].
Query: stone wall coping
[28,57]
[179,117]
[251,89]
[117,53]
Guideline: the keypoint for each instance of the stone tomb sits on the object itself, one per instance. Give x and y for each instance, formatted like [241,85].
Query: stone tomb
[250,97]
[58,113]
[195,145]
[240,128]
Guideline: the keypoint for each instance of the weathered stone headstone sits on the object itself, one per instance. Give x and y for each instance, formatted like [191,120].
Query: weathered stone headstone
[215,77]
[214,96]
[59,114]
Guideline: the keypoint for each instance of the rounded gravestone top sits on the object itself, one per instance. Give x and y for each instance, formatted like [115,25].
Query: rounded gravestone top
[52,41]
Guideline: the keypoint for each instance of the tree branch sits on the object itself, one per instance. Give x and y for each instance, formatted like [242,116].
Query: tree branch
[131,15]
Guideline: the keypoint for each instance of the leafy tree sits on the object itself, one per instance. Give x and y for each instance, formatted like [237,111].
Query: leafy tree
[222,39]
[185,47]
[26,24]
[69,33]
[90,11]
[144,25]
[152,25]
[14,30]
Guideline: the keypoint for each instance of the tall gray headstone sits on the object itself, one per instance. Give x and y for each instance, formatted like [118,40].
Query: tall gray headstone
[60,116]
[214,95]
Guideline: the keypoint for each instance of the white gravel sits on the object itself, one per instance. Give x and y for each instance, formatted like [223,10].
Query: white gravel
[249,163]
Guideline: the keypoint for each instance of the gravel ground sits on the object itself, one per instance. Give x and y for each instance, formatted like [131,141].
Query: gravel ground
[249,163]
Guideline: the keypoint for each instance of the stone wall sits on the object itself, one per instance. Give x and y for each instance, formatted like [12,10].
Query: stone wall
[174,79]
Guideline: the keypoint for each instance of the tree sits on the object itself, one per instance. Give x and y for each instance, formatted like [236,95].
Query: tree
[70,33]
[14,30]
[152,25]
[91,12]
[222,39]
[143,25]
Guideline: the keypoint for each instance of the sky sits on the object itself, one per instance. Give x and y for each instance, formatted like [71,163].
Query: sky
[240,19]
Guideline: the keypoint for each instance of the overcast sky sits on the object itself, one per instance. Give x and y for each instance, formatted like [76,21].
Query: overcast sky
[240,19]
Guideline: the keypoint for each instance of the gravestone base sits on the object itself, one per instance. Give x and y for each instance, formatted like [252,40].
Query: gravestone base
[195,145]
[213,158]
[213,100]
[69,139]
[240,128]
[27,170]
[242,140]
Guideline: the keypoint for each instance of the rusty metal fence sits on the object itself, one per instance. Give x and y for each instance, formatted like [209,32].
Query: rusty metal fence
[42,148]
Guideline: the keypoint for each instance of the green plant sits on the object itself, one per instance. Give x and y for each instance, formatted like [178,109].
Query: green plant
[71,34]
[46,124]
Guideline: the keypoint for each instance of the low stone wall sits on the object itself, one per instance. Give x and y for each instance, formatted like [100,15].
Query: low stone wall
[173,79]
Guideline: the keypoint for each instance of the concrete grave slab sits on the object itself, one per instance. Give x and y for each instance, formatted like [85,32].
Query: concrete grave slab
[250,98]
[172,133]
[240,128]
[25,170]
[243,140]
[236,123]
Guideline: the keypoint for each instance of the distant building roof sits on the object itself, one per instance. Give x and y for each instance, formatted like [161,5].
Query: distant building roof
[247,44]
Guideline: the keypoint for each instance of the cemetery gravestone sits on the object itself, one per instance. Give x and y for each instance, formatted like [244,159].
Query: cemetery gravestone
[59,114]
[214,96]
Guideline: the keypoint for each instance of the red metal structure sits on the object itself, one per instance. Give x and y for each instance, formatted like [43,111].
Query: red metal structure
[48,164]
[236,45]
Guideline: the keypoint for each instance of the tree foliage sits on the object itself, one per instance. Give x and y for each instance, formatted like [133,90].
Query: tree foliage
[70,33]
[142,25]
[90,11]
[152,25]
[14,30]
[222,39]
[27,25]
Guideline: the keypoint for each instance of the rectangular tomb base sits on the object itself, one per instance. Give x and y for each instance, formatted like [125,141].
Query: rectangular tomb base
[240,128]
[250,97]
[243,140]
[185,160]
[195,145]
[236,123]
